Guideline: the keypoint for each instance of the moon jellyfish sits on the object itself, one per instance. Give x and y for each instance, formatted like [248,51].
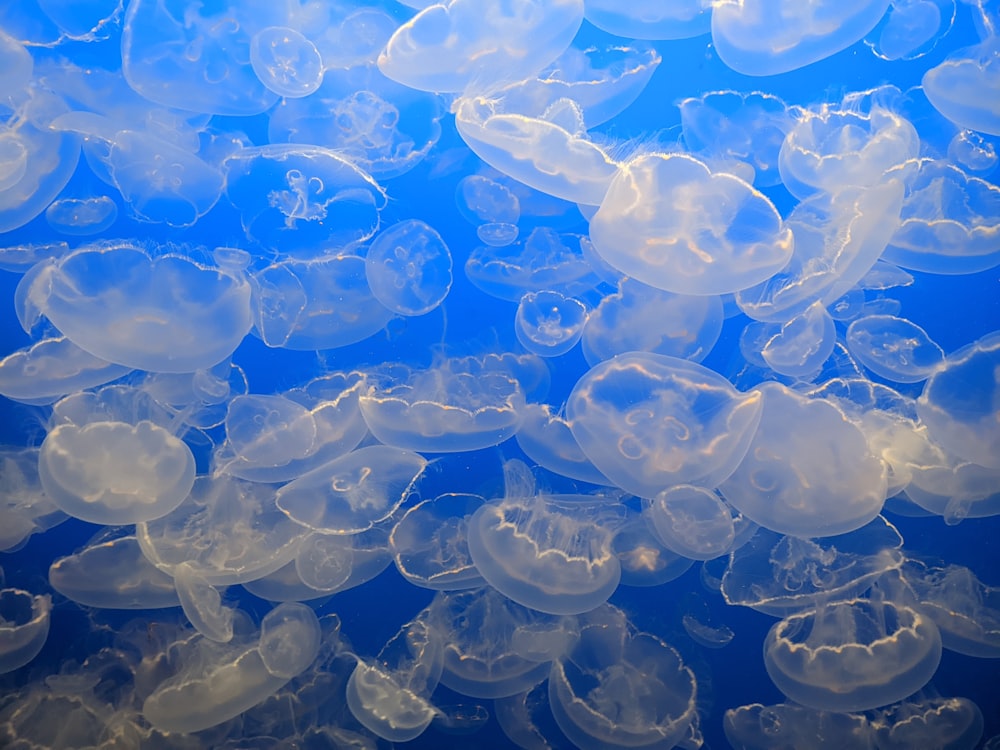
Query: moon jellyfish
[617,687]
[951,723]
[780,575]
[113,574]
[911,28]
[808,471]
[767,37]
[480,630]
[894,348]
[163,313]
[650,19]
[470,43]
[959,402]
[950,220]
[830,149]
[799,347]
[290,636]
[644,560]
[202,604]
[113,472]
[52,368]
[82,216]
[389,695]
[456,405]
[354,492]
[640,318]
[698,624]
[25,507]
[649,421]
[549,324]
[430,543]
[550,553]
[489,206]
[325,562]
[670,222]
[548,150]
[547,440]
[965,88]
[408,267]
[787,726]
[196,58]
[285,61]
[691,521]
[852,655]
[24,626]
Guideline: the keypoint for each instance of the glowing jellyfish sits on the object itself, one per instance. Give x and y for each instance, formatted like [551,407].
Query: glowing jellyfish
[852,655]
[911,28]
[325,562]
[950,220]
[965,88]
[762,38]
[651,19]
[290,636]
[114,472]
[82,216]
[357,490]
[408,267]
[285,61]
[24,626]
[546,260]
[953,723]
[301,197]
[691,521]
[779,575]
[546,439]
[894,348]
[801,345]
[670,222]
[467,43]
[731,125]
[430,546]
[549,324]
[166,313]
[322,303]
[457,405]
[959,402]
[617,687]
[830,149]
[202,604]
[808,471]
[644,560]
[491,207]
[113,574]
[196,58]
[649,421]
[390,695]
[549,150]
[481,631]
[787,726]
[550,553]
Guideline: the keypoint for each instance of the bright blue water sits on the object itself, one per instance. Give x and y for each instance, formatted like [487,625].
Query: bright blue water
[177,156]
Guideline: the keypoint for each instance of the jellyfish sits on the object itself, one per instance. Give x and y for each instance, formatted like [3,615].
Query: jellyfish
[648,421]
[24,505]
[549,324]
[24,627]
[894,348]
[670,222]
[619,687]
[691,521]
[953,723]
[852,655]
[787,726]
[644,559]
[491,207]
[82,216]
[456,405]
[546,438]
[963,88]
[202,604]
[408,267]
[121,304]
[651,19]
[286,61]
[290,637]
[911,28]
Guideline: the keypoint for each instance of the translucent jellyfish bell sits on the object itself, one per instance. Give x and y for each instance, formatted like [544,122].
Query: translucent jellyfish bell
[163,313]
[649,421]
[894,348]
[285,61]
[290,636]
[408,267]
[670,222]
[549,324]
[24,626]
[617,688]
[788,726]
[549,553]
[953,723]
[691,521]
[852,655]
[808,471]
[456,405]
[966,87]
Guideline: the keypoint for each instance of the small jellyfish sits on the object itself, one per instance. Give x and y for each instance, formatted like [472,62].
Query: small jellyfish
[952,723]
[82,216]
[408,267]
[285,61]
[202,604]
[800,346]
[911,28]
[24,626]
[691,521]
[290,636]
[965,88]
[852,655]
[894,348]
[549,324]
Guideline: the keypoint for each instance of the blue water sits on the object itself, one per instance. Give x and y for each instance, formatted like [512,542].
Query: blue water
[387,279]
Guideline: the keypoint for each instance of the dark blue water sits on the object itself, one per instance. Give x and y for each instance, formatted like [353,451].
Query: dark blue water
[373,230]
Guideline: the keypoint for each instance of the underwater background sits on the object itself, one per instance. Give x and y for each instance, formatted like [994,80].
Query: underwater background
[525,373]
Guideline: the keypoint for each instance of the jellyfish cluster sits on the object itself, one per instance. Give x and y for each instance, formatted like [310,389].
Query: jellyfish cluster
[499,373]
